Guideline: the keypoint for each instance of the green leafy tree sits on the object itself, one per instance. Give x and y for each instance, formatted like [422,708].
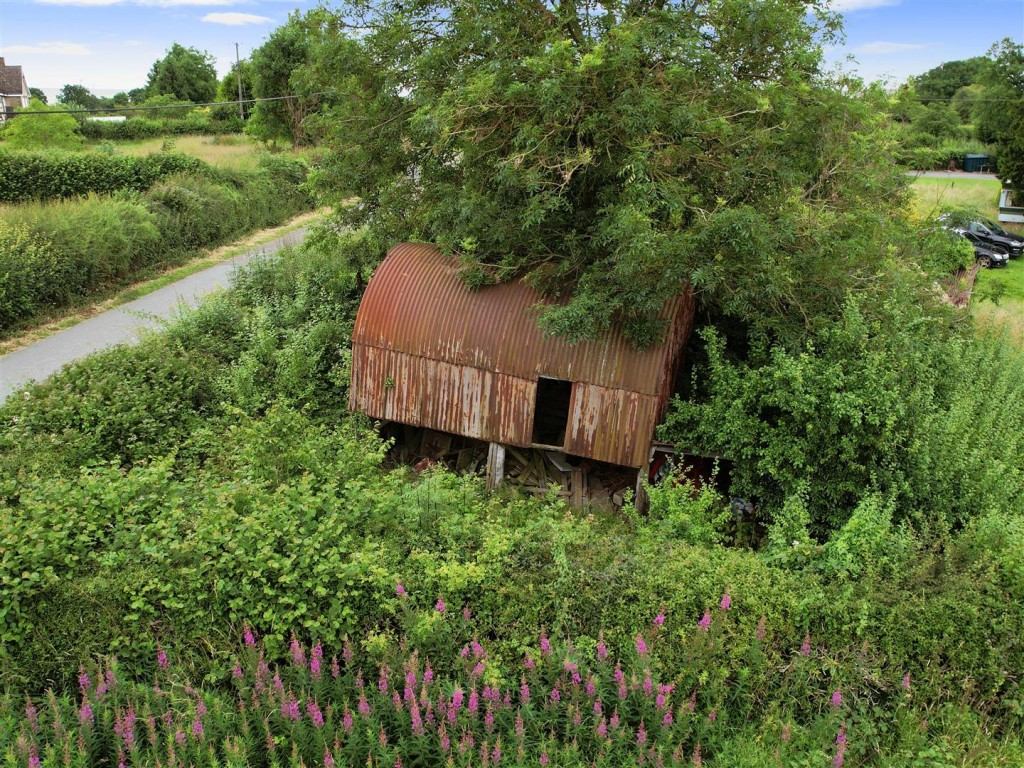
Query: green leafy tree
[276,70]
[56,130]
[137,95]
[38,95]
[965,100]
[1000,111]
[78,95]
[612,153]
[943,81]
[227,90]
[185,73]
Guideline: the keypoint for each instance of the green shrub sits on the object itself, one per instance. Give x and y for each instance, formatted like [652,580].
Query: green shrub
[51,175]
[29,271]
[78,247]
[137,128]
[54,130]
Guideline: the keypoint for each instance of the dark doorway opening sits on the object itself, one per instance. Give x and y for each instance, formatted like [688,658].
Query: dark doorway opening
[551,413]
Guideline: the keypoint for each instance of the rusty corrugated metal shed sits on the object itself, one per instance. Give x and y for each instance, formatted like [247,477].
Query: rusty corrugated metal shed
[429,352]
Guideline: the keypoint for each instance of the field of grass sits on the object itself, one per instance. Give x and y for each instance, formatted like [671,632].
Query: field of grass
[935,194]
[998,300]
[228,151]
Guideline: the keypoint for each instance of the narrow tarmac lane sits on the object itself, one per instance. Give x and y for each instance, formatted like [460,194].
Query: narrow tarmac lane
[123,324]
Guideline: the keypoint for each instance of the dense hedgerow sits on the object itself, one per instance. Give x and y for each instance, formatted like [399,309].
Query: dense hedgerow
[52,175]
[53,254]
[136,128]
[395,703]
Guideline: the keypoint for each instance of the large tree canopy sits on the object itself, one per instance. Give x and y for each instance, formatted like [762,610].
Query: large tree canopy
[612,152]
[943,81]
[277,75]
[1000,109]
[185,73]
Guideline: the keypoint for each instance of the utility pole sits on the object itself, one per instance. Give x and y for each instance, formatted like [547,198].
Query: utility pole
[238,72]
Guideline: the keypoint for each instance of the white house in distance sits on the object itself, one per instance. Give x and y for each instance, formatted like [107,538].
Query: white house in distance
[13,89]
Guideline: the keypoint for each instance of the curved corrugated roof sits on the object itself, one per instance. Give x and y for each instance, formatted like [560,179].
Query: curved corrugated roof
[415,303]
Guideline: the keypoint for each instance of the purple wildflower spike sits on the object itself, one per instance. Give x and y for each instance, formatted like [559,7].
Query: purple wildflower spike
[439,606]
[726,602]
[705,621]
[837,699]
[315,660]
[641,646]
[161,658]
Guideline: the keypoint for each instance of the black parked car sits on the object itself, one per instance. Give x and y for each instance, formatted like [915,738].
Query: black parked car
[987,255]
[986,232]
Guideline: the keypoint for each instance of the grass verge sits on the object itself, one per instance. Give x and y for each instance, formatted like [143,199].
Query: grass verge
[70,316]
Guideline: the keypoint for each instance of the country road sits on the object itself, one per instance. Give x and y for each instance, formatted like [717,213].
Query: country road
[123,324]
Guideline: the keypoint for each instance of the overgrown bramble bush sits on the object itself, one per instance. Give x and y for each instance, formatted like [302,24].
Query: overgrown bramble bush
[392,704]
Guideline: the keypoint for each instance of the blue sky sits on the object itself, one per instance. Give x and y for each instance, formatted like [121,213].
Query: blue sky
[109,45]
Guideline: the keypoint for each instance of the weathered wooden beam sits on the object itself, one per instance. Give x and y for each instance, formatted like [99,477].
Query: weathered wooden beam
[495,465]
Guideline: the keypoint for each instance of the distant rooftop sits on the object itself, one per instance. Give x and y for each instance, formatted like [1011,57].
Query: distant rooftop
[12,79]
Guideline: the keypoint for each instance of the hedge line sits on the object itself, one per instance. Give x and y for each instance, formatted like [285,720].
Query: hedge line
[148,128]
[52,254]
[48,176]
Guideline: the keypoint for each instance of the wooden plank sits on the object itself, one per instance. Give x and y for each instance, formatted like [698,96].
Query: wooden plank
[495,465]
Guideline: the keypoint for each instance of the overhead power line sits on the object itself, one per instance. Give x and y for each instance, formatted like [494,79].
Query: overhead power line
[101,110]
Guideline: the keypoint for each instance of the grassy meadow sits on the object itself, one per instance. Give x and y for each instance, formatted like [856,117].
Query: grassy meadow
[234,151]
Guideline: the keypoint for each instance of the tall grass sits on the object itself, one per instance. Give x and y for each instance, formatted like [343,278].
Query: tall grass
[931,195]
[234,151]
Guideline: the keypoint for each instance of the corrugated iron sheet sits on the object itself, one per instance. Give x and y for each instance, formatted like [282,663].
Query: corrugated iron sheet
[613,425]
[415,303]
[429,352]
[451,398]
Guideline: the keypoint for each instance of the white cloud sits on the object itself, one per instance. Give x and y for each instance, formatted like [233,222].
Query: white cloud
[54,48]
[883,47]
[846,6]
[235,19]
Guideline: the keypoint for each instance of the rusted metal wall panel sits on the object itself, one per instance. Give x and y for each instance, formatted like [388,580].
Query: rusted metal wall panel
[611,425]
[415,303]
[467,362]
[450,398]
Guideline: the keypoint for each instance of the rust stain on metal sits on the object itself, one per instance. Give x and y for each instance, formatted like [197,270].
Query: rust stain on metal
[429,352]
